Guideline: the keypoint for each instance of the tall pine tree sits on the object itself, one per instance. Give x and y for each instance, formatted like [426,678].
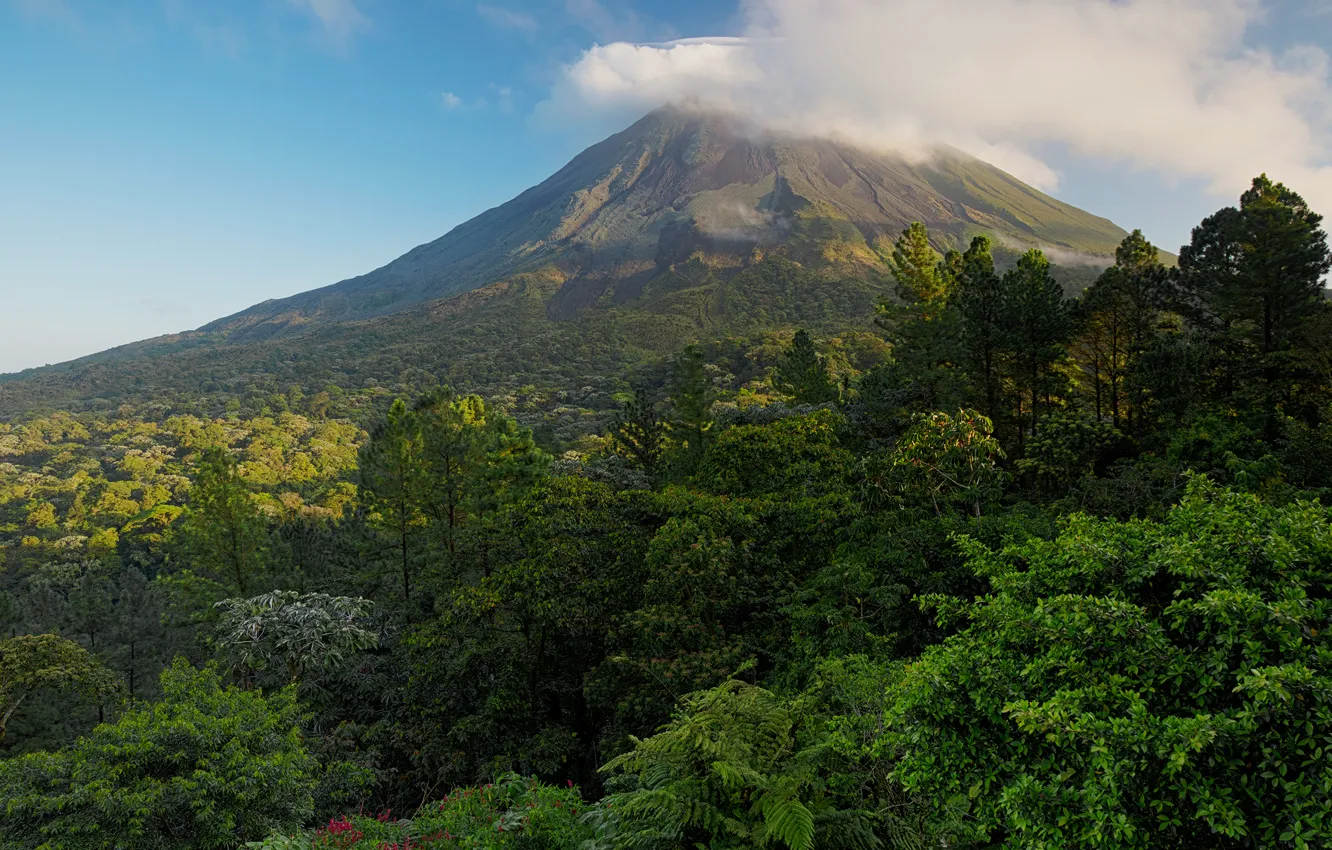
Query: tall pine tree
[1251,283]
[802,373]
[1038,322]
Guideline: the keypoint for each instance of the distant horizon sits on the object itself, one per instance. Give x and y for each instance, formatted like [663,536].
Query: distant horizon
[169,166]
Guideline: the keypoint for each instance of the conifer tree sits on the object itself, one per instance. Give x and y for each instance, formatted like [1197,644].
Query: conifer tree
[691,398]
[1117,320]
[982,317]
[1039,324]
[639,433]
[916,267]
[922,322]
[392,487]
[222,530]
[803,374]
[1251,281]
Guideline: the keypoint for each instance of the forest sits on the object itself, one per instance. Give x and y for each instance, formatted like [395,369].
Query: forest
[1020,568]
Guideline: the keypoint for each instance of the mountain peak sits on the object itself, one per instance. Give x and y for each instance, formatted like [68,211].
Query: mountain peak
[680,183]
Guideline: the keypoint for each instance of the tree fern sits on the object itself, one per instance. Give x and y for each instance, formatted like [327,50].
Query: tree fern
[736,768]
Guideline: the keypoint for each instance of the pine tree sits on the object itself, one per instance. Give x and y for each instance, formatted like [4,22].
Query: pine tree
[639,433]
[1251,282]
[691,398]
[983,335]
[392,487]
[803,374]
[1039,325]
[916,267]
[922,322]
[1117,320]
[223,531]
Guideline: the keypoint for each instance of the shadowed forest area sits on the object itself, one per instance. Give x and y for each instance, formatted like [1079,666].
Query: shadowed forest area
[1014,568]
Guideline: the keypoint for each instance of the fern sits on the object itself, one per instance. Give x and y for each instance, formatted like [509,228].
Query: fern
[736,768]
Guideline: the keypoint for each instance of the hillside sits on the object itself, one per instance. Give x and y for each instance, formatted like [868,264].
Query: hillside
[681,227]
[626,209]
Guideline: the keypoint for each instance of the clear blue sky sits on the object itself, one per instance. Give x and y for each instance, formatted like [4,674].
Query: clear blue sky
[167,162]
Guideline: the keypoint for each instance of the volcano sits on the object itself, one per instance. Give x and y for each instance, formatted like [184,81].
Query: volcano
[677,185]
[684,227]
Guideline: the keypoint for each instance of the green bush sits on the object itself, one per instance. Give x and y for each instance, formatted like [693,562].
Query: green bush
[1133,685]
[205,767]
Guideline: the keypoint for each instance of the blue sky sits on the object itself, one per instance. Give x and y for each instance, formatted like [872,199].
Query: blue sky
[167,162]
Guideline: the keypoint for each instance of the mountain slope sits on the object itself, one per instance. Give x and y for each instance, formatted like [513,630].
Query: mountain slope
[681,228]
[675,184]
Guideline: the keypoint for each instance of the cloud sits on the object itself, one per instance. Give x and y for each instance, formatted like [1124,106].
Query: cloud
[507,18]
[340,20]
[1174,87]
[503,100]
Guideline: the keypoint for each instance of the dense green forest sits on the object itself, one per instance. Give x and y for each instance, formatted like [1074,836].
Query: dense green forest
[1016,568]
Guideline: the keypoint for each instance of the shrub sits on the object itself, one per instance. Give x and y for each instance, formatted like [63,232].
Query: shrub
[203,768]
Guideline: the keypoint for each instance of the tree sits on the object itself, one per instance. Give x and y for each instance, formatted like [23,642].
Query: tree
[203,769]
[295,633]
[392,487]
[474,461]
[951,459]
[1117,320]
[984,335]
[737,767]
[453,447]
[794,456]
[222,531]
[691,397]
[499,678]
[639,433]
[802,373]
[434,476]
[1251,281]
[31,664]
[1038,325]
[1132,685]
[922,323]
[916,266]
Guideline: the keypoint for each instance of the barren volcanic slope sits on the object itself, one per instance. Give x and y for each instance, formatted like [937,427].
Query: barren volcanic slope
[675,184]
[682,227]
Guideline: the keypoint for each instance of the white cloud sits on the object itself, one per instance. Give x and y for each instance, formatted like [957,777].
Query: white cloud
[1169,86]
[507,18]
[503,100]
[339,19]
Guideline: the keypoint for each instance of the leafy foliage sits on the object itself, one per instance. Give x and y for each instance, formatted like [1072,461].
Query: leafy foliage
[998,566]
[735,768]
[205,767]
[802,374]
[30,664]
[296,633]
[1133,685]
[512,812]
